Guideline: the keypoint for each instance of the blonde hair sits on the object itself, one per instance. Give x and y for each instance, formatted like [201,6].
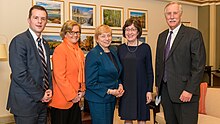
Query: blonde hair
[102,29]
[68,26]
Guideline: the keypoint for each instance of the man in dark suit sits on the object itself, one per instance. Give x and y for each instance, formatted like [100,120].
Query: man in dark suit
[31,86]
[180,63]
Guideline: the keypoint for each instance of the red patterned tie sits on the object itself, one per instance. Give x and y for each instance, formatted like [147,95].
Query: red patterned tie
[41,53]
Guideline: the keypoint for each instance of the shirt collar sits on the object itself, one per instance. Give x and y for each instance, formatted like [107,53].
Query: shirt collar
[34,35]
[175,31]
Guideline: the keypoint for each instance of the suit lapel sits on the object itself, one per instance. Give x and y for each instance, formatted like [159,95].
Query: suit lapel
[33,45]
[163,43]
[177,40]
[106,60]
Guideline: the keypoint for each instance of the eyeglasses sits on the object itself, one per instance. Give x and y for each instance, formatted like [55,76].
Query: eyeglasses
[74,33]
[130,29]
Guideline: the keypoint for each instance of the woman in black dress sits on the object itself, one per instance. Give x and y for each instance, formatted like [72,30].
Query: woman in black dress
[137,75]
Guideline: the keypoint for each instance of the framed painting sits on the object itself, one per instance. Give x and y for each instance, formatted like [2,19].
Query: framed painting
[143,38]
[86,42]
[116,41]
[112,16]
[53,39]
[140,15]
[55,10]
[84,14]
[187,24]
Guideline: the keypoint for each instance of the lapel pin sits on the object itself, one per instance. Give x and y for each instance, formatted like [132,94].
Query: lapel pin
[100,53]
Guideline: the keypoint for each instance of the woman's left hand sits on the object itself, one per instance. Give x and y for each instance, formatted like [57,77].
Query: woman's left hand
[120,90]
[148,97]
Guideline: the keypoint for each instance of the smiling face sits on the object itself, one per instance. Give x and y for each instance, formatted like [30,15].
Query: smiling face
[74,35]
[37,21]
[104,40]
[173,13]
[131,33]
[103,36]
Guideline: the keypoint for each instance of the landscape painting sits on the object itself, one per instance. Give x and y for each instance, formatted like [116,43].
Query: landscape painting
[143,39]
[84,14]
[54,10]
[86,42]
[140,15]
[187,24]
[112,16]
[53,40]
[116,41]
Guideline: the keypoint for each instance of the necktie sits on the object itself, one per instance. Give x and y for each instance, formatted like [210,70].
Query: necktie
[41,53]
[166,53]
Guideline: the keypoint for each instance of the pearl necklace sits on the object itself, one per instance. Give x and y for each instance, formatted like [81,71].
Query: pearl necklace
[134,49]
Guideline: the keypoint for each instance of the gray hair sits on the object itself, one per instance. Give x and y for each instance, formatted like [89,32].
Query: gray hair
[171,3]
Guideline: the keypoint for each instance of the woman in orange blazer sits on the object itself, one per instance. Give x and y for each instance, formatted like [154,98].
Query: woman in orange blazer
[68,76]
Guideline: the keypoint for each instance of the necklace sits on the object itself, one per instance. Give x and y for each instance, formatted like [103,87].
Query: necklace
[132,51]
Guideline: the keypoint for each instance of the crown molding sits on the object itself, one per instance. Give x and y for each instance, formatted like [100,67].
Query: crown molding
[197,2]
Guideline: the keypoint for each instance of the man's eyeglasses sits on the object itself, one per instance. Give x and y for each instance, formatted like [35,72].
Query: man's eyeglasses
[74,33]
[130,29]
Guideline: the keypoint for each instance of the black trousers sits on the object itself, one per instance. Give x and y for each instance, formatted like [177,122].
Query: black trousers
[66,116]
[178,113]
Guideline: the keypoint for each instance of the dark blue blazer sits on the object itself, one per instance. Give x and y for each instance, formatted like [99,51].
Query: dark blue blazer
[101,75]
[26,89]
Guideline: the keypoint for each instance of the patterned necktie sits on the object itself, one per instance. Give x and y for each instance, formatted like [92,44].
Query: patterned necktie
[41,53]
[166,53]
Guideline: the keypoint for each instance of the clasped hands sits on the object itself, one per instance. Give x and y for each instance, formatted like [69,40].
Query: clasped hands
[117,92]
[47,96]
[78,97]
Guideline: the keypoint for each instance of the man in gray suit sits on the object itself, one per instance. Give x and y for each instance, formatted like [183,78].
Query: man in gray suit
[180,63]
[31,85]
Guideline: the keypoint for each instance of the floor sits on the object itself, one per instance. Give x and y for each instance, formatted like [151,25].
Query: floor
[7,120]
[116,119]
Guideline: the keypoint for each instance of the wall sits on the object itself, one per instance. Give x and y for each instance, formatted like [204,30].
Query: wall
[14,13]
[217,36]
[203,25]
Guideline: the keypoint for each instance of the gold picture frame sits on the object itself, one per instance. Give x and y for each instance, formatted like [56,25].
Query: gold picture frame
[55,10]
[141,15]
[84,14]
[53,39]
[87,42]
[187,23]
[112,16]
[143,38]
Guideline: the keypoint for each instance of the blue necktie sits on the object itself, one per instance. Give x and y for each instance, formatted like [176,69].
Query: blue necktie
[166,53]
[42,56]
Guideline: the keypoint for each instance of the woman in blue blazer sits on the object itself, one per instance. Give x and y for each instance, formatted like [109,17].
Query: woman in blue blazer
[102,73]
